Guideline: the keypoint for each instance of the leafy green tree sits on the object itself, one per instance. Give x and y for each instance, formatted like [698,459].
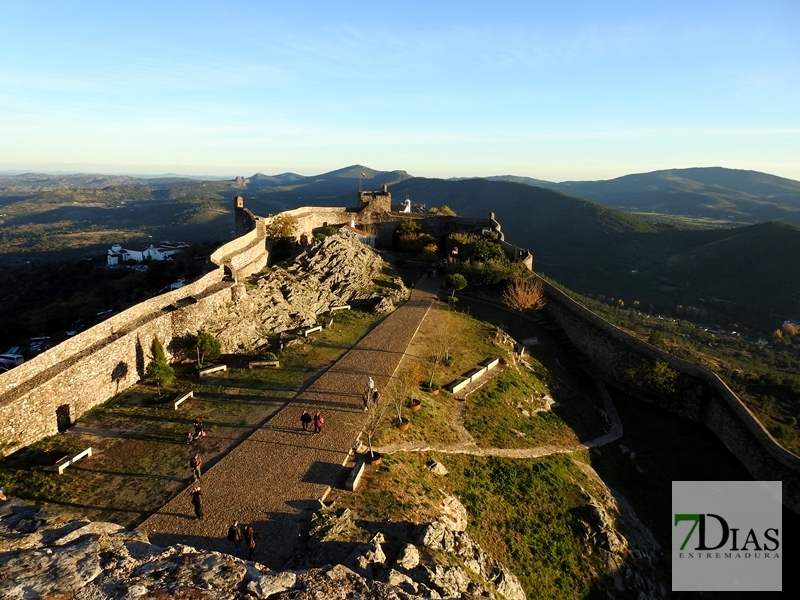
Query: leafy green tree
[161,373]
[207,346]
[658,378]
[456,282]
[281,227]
[408,227]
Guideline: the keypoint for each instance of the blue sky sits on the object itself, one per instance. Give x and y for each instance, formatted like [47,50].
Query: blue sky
[551,90]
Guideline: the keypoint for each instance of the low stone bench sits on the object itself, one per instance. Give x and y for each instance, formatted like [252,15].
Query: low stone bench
[345,307]
[211,370]
[264,363]
[65,462]
[489,363]
[312,330]
[355,476]
[475,374]
[180,400]
[456,386]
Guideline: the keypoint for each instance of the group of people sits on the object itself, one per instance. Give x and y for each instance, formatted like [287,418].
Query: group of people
[198,431]
[306,420]
[371,394]
[237,536]
[248,535]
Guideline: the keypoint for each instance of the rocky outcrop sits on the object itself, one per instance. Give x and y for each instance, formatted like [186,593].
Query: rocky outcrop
[46,554]
[412,558]
[628,550]
[332,272]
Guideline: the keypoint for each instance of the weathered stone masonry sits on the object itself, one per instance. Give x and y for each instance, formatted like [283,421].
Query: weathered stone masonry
[61,384]
[96,364]
[701,395]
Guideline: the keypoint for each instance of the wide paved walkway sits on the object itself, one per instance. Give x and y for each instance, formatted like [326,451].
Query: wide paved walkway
[279,472]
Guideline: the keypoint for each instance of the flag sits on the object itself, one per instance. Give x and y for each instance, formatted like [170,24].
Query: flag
[363,174]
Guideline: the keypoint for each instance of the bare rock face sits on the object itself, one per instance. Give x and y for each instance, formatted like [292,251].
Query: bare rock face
[332,272]
[454,515]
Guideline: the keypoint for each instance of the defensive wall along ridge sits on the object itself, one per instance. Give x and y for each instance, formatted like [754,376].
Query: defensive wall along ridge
[56,387]
[700,396]
[51,390]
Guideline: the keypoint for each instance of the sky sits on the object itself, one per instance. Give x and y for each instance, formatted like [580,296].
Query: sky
[569,90]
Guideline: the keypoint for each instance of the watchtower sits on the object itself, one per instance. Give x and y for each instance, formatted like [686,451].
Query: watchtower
[244,221]
[375,201]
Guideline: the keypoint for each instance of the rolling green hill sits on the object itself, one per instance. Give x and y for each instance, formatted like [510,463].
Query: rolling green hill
[55,216]
[726,195]
[598,250]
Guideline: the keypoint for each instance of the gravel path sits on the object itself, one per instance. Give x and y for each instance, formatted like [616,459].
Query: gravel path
[275,476]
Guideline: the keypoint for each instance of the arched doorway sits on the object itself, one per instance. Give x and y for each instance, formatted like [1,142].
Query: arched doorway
[63,418]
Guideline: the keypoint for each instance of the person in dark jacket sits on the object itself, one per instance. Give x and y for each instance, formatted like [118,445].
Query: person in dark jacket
[197,501]
[305,419]
[235,535]
[250,538]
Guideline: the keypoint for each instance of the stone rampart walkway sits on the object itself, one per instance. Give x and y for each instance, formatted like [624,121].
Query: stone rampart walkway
[279,472]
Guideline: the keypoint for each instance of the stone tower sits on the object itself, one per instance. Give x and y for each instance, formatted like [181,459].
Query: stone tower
[376,201]
[244,222]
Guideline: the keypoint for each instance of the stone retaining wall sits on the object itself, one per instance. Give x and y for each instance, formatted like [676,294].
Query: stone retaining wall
[87,369]
[701,395]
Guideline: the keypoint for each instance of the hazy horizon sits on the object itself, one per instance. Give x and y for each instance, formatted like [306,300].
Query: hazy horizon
[575,91]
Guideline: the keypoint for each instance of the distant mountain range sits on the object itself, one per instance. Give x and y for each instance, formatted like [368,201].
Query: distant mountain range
[622,238]
[596,249]
[726,195]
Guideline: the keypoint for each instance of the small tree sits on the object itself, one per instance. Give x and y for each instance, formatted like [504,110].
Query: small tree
[456,282]
[281,227]
[445,335]
[376,419]
[161,373]
[157,350]
[207,346]
[524,293]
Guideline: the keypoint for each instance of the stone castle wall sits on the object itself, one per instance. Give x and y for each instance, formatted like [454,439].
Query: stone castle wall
[87,369]
[701,395]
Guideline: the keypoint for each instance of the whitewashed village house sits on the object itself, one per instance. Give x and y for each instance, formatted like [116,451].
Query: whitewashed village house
[118,255]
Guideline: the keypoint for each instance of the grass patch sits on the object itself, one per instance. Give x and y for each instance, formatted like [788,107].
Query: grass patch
[140,457]
[433,421]
[495,417]
[525,513]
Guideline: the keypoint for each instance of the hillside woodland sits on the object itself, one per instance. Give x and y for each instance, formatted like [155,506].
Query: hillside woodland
[734,284]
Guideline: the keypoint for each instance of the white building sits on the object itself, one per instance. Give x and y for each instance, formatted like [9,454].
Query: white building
[117,254]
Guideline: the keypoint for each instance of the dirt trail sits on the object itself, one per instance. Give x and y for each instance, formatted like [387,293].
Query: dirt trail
[275,476]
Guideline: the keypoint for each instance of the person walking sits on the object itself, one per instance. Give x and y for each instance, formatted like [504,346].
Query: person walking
[250,538]
[370,385]
[198,427]
[197,502]
[305,419]
[318,421]
[195,464]
[235,535]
